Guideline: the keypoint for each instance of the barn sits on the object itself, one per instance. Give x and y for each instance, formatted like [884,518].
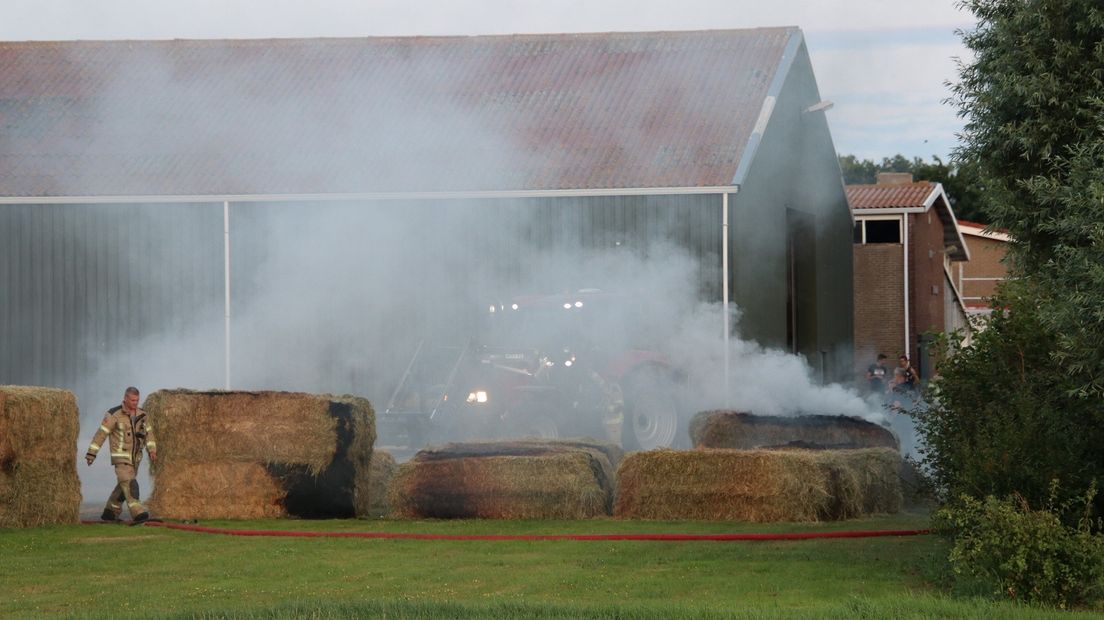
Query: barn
[297,214]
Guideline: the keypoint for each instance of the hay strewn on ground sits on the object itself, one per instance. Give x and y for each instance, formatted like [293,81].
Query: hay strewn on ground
[380,473]
[315,450]
[758,485]
[507,480]
[745,431]
[38,472]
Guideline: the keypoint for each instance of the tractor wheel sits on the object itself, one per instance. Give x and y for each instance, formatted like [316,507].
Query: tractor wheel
[651,414]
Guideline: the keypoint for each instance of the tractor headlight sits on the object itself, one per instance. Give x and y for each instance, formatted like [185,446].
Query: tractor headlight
[478,396]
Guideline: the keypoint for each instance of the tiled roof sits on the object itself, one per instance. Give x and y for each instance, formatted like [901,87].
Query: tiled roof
[918,195]
[565,111]
[898,196]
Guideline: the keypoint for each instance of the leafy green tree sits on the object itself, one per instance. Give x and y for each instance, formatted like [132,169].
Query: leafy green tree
[857,171]
[1024,406]
[1034,103]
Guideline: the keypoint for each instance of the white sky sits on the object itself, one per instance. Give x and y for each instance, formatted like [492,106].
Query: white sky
[884,63]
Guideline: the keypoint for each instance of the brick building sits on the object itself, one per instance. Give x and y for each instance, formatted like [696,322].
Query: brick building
[906,242]
[979,277]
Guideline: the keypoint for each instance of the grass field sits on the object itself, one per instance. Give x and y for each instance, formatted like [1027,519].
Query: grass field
[117,571]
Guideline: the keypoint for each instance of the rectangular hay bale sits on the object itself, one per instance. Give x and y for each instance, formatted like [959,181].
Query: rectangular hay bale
[38,472]
[506,480]
[758,486]
[218,491]
[316,449]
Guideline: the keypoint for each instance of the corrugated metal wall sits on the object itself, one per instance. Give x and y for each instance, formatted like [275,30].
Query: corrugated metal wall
[82,285]
[79,282]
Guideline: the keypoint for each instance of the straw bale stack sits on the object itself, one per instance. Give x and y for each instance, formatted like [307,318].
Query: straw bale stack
[380,473]
[745,431]
[758,485]
[526,479]
[245,455]
[38,471]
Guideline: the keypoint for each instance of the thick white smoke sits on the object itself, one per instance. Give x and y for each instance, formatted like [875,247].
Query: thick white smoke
[335,297]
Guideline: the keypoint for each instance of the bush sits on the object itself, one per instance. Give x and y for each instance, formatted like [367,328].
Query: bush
[1024,554]
[1003,418]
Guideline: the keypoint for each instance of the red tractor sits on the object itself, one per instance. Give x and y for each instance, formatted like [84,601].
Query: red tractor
[541,366]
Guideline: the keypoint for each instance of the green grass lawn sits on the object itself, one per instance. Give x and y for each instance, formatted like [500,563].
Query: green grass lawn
[118,571]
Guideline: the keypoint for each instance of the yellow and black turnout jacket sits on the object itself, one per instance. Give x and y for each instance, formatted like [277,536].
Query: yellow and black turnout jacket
[127,434]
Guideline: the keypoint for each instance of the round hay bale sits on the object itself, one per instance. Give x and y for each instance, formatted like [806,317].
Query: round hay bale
[757,485]
[607,455]
[506,480]
[38,473]
[317,448]
[745,431]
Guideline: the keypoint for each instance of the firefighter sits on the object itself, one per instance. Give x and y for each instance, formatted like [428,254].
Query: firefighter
[129,431]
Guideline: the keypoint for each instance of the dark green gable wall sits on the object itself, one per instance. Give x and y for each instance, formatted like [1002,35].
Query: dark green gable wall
[793,195]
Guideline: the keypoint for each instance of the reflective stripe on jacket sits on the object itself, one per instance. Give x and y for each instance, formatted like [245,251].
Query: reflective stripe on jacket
[126,436]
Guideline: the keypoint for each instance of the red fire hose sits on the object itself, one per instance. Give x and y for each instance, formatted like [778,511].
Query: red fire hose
[416,536]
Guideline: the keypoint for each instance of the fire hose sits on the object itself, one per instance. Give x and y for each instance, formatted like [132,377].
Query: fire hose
[538,537]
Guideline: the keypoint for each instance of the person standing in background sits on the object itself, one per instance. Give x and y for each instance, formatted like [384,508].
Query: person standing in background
[876,375]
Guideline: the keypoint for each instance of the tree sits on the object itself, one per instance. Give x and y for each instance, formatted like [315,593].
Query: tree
[1035,132]
[857,171]
[1022,408]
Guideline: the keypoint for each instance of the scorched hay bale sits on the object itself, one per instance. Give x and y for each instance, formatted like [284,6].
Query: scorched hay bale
[757,485]
[38,472]
[315,450]
[507,480]
[745,431]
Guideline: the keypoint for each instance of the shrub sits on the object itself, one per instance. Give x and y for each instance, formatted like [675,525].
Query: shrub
[1003,418]
[1024,554]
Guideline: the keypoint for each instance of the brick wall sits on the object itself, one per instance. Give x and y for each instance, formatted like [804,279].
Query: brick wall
[879,302]
[928,279]
[985,262]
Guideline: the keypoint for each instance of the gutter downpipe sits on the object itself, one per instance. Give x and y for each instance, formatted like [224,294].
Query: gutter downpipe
[905,246]
[226,282]
[724,286]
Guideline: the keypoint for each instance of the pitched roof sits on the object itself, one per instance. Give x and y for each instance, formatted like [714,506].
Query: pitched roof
[916,195]
[564,111]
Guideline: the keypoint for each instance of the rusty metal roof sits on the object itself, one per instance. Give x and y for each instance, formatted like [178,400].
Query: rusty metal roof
[896,196]
[301,116]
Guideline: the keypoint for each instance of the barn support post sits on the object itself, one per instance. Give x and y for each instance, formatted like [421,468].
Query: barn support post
[226,283]
[724,286]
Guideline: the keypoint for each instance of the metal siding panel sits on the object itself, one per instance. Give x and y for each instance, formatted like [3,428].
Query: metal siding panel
[35,274]
[7,285]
